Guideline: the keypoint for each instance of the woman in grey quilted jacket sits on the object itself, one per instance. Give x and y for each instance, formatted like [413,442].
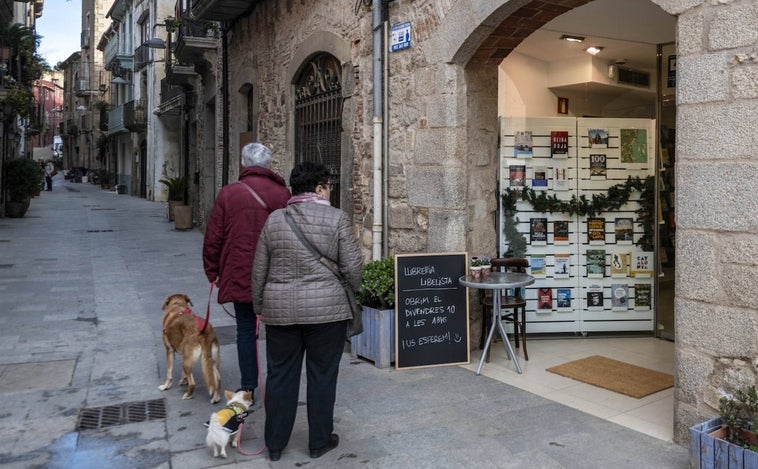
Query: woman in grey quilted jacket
[304,307]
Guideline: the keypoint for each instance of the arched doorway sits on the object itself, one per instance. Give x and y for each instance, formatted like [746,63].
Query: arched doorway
[318,116]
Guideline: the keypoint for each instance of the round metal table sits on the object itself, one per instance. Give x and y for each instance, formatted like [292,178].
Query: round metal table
[497,281]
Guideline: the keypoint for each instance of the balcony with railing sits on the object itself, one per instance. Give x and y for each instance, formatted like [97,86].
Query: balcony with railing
[171,99]
[222,10]
[118,54]
[116,121]
[194,37]
[135,116]
[141,57]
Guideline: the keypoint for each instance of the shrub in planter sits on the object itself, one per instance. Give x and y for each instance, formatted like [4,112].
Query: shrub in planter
[176,187]
[728,441]
[377,295]
[22,177]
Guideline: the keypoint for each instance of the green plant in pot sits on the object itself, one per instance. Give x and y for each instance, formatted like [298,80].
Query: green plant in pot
[22,178]
[377,295]
[377,288]
[176,187]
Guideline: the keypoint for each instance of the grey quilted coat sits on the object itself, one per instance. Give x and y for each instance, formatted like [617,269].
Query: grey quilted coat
[290,286]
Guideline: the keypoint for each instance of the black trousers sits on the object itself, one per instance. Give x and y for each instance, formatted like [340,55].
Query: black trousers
[322,345]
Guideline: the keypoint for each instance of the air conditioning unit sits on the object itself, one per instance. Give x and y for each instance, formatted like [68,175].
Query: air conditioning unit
[629,76]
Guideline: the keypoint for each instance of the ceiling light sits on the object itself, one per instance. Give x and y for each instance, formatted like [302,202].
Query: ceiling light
[569,38]
[119,81]
[594,50]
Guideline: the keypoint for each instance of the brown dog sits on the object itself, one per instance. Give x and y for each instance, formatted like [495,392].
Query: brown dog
[182,334]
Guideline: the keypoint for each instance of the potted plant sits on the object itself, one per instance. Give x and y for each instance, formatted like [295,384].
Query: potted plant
[475,267]
[729,440]
[176,187]
[22,178]
[486,262]
[377,295]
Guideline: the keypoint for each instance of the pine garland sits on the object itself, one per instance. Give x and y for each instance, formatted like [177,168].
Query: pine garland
[616,198]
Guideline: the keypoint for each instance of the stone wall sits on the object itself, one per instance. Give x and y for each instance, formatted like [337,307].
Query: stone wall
[717,208]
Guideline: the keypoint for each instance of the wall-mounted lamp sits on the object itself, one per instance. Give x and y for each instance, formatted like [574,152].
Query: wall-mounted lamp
[119,81]
[81,107]
[572,38]
[593,50]
[155,43]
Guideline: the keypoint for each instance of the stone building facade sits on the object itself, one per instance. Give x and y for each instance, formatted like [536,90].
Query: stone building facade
[443,144]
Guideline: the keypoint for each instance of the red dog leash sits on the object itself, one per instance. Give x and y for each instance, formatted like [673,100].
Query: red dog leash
[208,309]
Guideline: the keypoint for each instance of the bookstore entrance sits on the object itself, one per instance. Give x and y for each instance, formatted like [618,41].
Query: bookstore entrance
[586,159]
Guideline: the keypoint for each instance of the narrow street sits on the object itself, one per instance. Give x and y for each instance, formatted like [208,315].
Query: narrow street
[82,279]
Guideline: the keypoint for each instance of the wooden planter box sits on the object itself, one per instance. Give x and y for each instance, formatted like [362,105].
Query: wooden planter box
[709,450]
[377,341]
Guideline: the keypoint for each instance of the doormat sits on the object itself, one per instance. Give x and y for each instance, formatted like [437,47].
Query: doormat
[615,376]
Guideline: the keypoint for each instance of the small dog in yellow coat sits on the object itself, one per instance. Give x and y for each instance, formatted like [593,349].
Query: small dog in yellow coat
[225,423]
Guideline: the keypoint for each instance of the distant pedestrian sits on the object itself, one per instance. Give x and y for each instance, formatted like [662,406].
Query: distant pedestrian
[304,307]
[49,173]
[231,236]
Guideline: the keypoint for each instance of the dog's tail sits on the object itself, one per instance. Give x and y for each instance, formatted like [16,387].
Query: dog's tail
[211,363]
[215,435]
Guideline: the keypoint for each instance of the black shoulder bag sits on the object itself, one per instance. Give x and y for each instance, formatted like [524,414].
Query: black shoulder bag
[355,325]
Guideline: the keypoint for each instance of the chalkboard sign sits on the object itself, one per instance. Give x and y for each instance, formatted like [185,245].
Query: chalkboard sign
[432,310]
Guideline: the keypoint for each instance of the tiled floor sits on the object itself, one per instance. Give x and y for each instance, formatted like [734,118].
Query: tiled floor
[652,414]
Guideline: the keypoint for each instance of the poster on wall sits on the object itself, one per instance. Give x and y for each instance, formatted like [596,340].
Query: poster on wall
[624,230]
[539,179]
[619,296]
[620,264]
[559,144]
[595,297]
[596,230]
[561,232]
[560,181]
[517,175]
[563,299]
[598,168]
[642,296]
[595,263]
[538,231]
[562,265]
[544,299]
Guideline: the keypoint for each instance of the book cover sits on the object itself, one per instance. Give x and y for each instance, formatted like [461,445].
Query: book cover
[522,145]
[642,264]
[633,144]
[624,228]
[539,180]
[598,169]
[620,264]
[563,298]
[619,296]
[545,299]
[598,138]
[560,232]
[642,296]
[560,181]
[537,264]
[596,230]
[538,231]
[517,174]
[595,297]
[595,263]
[562,265]
[559,143]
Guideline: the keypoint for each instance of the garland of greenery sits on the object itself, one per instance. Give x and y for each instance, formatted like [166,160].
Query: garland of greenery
[616,197]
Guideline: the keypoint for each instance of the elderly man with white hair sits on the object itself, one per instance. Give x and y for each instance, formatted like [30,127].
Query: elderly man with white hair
[231,236]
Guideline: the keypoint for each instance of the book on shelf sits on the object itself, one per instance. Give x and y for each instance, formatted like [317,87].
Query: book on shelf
[522,144]
[563,298]
[624,229]
[642,264]
[633,143]
[539,179]
[595,263]
[559,143]
[560,232]
[517,175]
[538,231]
[597,138]
[596,230]
[619,296]
[537,265]
[545,299]
[598,169]
[560,182]
[642,296]
[595,297]
[561,265]
[620,264]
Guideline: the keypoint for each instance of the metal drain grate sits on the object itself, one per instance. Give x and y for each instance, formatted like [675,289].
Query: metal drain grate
[99,231]
[130,412]
[6,266]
